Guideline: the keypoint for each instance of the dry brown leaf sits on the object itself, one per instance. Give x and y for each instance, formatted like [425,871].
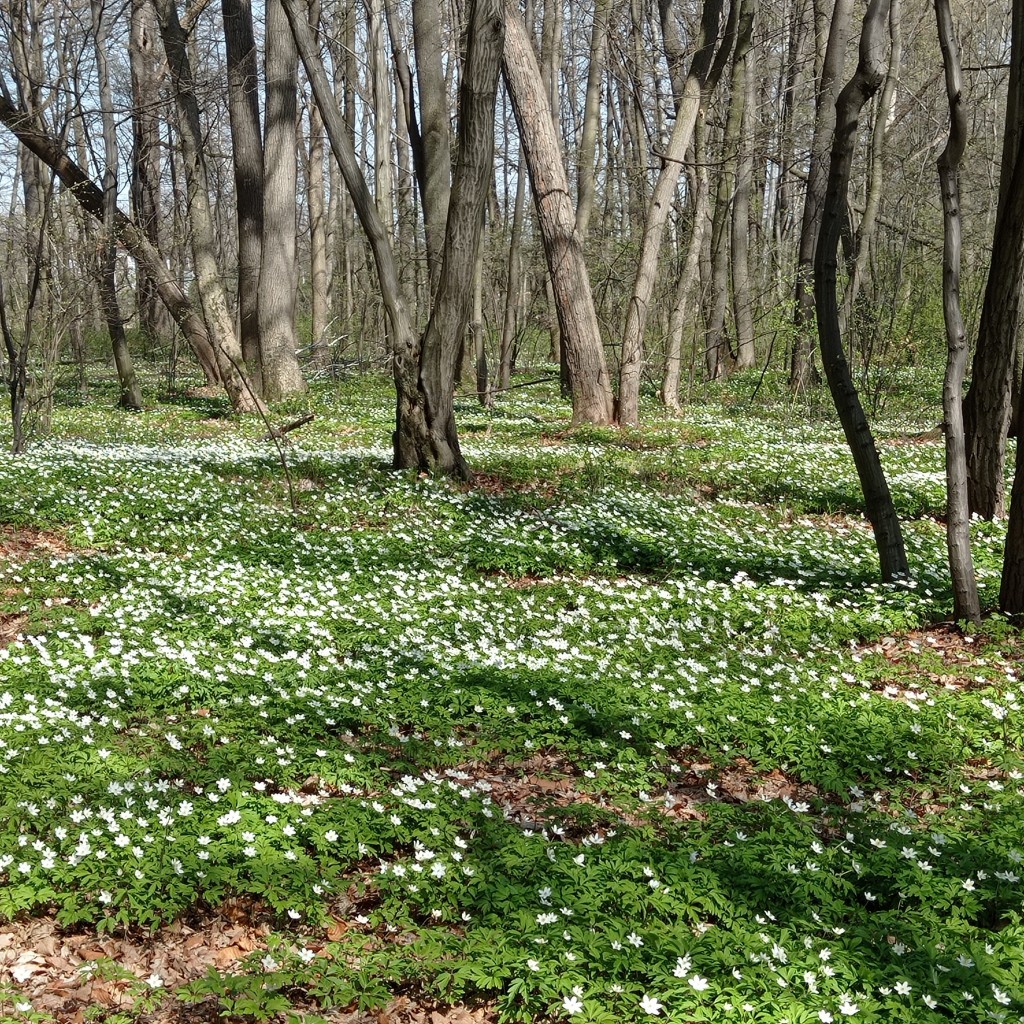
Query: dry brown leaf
[228,955]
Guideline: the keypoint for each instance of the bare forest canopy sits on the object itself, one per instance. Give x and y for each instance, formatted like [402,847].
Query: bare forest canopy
[647,194]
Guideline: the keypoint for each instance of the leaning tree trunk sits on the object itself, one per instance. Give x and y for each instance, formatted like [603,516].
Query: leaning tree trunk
[27,130]
[958,516]
[988,405]
[877,499]
[660,204]
[200,216]
[574,301]
[801,368]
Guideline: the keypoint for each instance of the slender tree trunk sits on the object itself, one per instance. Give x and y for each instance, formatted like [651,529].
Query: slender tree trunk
[208,278]
[876,167]
[574,302]
[988,407]
[130,396]
[512,269]
[782,219]
[406,141]
[688,277]
[484,394]
[435,166]
[657,214]
[591,118]
[877,499]
[318,252]
[383,179]
[278,272]
[247,158]
[742,299]
[716,354]
[146,158]
[801,367]
[958,525]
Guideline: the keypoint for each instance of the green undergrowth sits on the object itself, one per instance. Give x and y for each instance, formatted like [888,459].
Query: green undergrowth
[628,729]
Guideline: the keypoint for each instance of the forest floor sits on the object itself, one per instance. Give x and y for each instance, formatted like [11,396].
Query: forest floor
[625,729]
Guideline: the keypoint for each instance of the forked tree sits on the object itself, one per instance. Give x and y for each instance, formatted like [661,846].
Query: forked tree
[425,435]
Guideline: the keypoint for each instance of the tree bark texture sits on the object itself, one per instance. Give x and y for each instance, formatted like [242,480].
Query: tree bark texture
[739,239]
[877,498]
[435,164]
[425,435]
[319,263]
[717,345]
[876,168]
[994,372]
[247,162]
[591,118]
[130,396]
[701,203]
[574,301]
[506,347]
[146,157]
[801,366]
[218,319]
[958,516]
[278,277]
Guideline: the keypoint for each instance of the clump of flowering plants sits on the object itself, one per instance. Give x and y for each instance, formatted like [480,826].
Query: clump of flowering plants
[581,744]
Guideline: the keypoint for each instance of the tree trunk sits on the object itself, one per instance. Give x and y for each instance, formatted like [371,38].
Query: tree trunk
[508,323]
[876,167]
[877,499]
[958,516]
[247,158]
[129,234]
[146,159]
[574,302]
[484,395]
[130,396]
[278,280]
[435,165]
[689,274]
[318,251]
[988,405]
[801,367]
[425,435]
[697,80]
[742,299]
[591,119]
[383,179]
[219,323]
